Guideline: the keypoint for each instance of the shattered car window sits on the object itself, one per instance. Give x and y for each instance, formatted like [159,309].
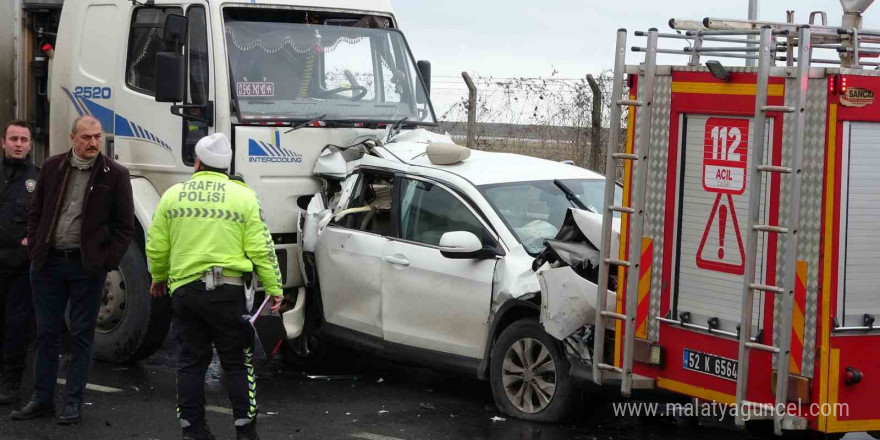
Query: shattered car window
[534,211]
[369,208]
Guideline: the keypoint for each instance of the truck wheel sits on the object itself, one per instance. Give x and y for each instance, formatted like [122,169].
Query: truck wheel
[131,324]
[529,374]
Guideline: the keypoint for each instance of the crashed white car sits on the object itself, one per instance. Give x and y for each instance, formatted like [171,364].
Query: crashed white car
[423,251]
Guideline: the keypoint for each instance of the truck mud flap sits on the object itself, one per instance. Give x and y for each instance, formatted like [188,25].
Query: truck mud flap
[295,318]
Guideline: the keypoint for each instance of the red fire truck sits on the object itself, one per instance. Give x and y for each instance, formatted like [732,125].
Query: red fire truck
[750,240]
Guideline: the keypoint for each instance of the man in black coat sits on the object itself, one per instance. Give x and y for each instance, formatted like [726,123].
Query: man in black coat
[18,180]
[79,226]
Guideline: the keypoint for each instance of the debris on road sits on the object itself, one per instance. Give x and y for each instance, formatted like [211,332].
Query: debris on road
[334,377]
[498,419]
[427,406]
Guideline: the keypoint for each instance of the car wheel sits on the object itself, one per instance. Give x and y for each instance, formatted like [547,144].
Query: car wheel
[529,374]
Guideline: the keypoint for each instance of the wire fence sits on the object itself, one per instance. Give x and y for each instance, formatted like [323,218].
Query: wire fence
[548,117]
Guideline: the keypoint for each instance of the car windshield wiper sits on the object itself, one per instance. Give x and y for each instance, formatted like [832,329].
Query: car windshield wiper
[307,123]
[570,195]
[395,128]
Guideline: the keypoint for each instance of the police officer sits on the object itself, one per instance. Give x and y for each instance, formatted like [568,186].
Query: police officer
[206,234]
[17,182]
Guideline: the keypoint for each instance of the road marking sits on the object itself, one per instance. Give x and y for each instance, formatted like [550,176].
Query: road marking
[371,436]
[224,410]
[218,409]
[94,387]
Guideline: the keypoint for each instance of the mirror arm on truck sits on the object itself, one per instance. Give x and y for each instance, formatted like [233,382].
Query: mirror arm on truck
[207,111]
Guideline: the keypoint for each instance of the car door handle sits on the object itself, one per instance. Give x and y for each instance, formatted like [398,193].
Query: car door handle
[397,261]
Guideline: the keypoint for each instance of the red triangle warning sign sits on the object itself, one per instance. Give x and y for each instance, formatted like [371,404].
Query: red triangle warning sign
[721,248]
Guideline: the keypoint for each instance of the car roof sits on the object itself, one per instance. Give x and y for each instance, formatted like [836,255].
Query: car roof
[488,168]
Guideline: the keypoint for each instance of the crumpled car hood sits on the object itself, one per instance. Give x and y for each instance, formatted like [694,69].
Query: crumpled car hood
[568,275]
[515,274]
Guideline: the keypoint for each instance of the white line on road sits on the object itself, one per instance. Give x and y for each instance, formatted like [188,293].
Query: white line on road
[218,409]
[93,387]
[371,436]
[224,410]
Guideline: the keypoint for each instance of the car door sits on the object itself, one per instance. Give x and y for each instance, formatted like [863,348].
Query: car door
[430,301]
[348,255]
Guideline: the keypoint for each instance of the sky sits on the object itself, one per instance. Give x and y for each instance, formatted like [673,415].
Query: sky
[528,38]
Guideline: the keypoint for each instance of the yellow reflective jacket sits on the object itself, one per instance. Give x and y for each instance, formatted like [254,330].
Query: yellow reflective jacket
[209,221]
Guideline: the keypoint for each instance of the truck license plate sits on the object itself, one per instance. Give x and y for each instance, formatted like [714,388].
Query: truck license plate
[264,89]
[710,364]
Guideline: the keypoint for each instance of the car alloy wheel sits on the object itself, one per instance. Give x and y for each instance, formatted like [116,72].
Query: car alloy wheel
[529,375]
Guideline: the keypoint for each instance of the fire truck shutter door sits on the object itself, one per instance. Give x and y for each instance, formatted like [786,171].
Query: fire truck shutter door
[862,244]
[713,220]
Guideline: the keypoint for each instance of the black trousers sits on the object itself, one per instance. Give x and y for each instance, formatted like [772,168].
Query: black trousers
[16,322]
[202,318]
[63,284]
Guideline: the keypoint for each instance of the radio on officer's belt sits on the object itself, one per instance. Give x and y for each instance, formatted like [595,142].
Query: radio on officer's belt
[217,271]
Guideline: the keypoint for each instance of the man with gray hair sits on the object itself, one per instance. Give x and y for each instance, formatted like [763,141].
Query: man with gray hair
[79,227]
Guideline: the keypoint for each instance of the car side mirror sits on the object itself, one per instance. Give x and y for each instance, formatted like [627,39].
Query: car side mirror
[464,245]
[424,72]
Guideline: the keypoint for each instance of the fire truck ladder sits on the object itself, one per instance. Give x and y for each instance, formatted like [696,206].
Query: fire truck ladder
[786,290]
[636,211]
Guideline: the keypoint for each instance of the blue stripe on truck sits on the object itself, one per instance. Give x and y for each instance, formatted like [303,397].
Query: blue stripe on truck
[113,122]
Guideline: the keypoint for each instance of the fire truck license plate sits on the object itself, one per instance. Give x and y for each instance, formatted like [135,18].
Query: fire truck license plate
[710,364]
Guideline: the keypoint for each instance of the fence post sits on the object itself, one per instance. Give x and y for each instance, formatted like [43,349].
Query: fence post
[471,108]
[596,130]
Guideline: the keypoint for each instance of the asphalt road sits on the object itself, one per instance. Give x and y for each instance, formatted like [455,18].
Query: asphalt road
[355,397]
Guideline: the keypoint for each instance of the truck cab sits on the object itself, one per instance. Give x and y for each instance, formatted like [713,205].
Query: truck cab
[282,79]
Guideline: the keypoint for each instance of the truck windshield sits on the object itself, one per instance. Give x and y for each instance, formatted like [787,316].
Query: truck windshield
[293,71]
[534,211]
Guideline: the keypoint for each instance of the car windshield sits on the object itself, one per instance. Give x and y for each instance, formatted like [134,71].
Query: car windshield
[534,211]
[345,73]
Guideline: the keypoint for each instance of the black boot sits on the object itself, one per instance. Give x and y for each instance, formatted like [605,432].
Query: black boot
[190,433]
[10,386]
[247,432]
[70,415]
[34,410]
[9,393]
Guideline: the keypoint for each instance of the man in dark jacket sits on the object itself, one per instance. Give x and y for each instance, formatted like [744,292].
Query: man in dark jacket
[79,227]
[17,182]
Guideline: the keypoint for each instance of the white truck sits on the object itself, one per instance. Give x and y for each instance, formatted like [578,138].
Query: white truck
[254,70]
[404,244]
